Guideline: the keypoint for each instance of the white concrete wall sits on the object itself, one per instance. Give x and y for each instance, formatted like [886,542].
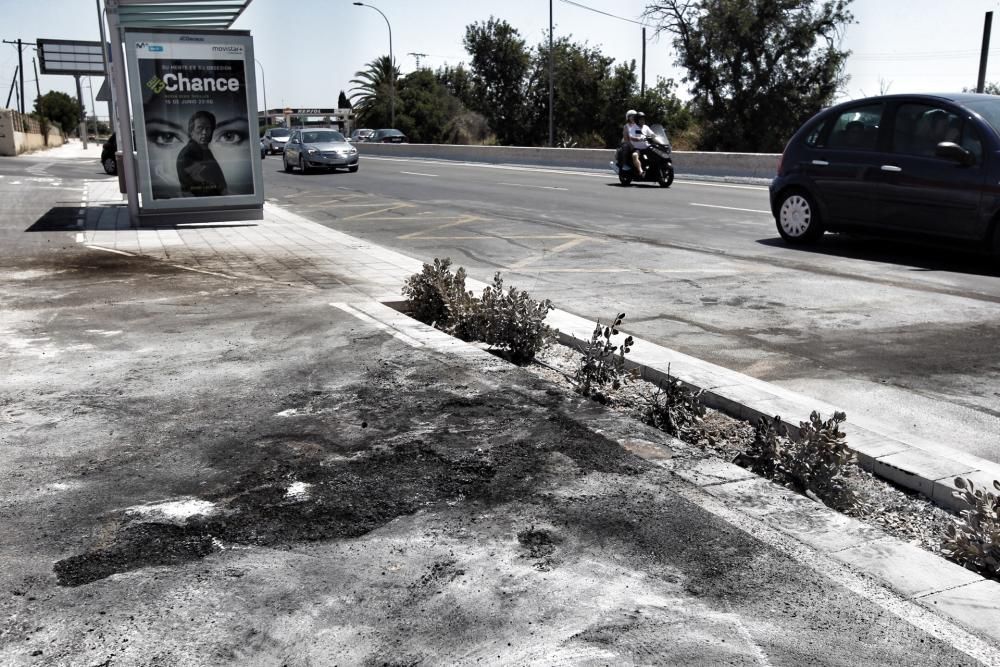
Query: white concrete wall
[744,165]
[20,134]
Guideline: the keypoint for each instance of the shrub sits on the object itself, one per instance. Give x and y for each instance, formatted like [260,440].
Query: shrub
[436,296]
[601,367]
[512,321]
[813,466]
[974,540]
[675,408]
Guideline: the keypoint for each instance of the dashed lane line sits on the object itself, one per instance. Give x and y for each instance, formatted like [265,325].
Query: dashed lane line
[731,208]
[540,187]
[417,173]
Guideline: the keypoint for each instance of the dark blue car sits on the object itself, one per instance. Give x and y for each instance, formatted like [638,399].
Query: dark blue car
[919,165]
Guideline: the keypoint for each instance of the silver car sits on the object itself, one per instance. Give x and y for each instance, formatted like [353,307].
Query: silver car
[274,139]
[308,148]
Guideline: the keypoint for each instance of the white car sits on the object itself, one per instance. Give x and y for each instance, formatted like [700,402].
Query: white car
[275,139]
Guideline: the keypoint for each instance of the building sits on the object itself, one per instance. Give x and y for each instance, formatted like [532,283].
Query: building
[341,119]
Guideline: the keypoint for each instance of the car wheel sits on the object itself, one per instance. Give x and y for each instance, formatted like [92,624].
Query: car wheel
[302,165]
[995,245]
[352,169]
[284,163]
[797,217]
[110,166]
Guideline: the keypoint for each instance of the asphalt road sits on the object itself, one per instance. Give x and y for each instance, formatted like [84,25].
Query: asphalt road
[904,334]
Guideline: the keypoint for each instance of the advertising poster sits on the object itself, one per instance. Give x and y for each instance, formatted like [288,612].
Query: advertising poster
[196,124]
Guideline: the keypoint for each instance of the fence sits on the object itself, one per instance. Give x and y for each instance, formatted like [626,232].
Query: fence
[20,133]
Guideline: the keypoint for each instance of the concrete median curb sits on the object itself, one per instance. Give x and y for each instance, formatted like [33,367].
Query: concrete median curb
[687,163]
[927,468]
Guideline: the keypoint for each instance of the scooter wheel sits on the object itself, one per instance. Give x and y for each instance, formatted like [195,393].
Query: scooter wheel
[624,179]
[667,179]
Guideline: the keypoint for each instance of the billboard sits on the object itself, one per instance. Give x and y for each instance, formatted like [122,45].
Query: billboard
[193,98]
[66,56]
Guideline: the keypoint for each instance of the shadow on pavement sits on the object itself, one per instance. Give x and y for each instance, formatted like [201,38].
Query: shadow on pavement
[58,219]
[905,253]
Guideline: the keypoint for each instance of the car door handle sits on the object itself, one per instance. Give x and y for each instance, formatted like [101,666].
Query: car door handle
[821,163]
[891,167]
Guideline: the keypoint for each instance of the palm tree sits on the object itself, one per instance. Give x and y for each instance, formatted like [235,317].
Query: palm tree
[370,94]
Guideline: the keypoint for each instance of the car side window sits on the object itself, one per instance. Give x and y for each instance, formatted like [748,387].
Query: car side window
[854,129]
[919,128]
[294,139]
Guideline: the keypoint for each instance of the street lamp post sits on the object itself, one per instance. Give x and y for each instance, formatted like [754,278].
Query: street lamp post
[392,68]
[263,84]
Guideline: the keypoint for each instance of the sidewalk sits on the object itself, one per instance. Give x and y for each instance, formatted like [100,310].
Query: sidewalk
[236,453]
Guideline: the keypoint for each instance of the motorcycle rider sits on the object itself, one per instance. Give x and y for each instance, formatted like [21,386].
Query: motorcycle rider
[628,133]
[638,131]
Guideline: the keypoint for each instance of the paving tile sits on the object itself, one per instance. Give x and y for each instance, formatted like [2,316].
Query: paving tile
[908,569]
[823,528]
[713,471]
[759,497]
[869,446]
[976,605]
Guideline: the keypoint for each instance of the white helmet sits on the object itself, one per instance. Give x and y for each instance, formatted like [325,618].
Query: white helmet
[629,114]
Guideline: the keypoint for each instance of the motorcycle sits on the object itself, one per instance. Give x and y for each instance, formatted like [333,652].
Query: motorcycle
[656,161]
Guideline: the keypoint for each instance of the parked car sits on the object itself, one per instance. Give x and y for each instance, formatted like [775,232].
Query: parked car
[108,160]
[919,165]
[388,137]
[307,148]
[361,135]
[275,139]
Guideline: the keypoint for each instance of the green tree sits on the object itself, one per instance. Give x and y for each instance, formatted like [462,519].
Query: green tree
[500,62]
[756,68]
[581,77]
[620,88]
[371,93]
[342,101]
[59,108]
[661,105]
[458,81]
[425,107]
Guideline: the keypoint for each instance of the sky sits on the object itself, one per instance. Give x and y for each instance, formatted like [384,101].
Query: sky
[310,49]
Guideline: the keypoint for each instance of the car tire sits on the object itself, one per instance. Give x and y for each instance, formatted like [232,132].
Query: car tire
[284,162]
[352,169]
[797,217]
[302,165]
[110,166]
[995,242]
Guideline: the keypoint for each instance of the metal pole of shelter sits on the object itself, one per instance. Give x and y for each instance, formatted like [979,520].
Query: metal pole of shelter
[107,65]
[988,23]
[120,97]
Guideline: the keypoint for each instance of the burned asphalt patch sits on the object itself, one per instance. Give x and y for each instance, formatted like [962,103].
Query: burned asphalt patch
[422,450]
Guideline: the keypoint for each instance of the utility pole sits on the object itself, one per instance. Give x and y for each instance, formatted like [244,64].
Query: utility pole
[981,84]
[93,107]
[38,86]
[552,95]
[20,69]
[13,88]
[642,88]
[81,124]
[417,56]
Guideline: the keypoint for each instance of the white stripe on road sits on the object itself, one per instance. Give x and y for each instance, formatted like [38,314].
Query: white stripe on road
[732,208]
[542,170]
[541,187]
[417,173]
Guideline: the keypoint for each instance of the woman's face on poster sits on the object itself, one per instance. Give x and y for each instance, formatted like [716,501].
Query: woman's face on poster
[167,133]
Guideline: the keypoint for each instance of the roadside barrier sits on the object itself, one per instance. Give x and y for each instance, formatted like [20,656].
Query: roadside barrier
[690,163]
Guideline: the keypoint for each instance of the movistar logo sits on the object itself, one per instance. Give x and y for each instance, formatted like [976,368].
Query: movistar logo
[156,84]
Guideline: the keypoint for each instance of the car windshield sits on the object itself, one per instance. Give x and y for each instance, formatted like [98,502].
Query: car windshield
[989,109]
[279,133]
[328,137]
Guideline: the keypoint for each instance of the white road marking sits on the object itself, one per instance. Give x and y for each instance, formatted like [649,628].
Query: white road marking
[541,187]
[732,208]
[417,173]
[542,170]
[117,252]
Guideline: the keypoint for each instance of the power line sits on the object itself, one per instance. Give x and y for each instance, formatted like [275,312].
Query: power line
[598,11]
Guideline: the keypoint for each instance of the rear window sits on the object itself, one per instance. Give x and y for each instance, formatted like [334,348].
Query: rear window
[279,133]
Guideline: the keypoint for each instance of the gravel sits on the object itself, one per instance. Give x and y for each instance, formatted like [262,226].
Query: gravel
[905,515]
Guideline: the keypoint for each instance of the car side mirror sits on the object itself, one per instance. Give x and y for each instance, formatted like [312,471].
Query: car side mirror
[952,151]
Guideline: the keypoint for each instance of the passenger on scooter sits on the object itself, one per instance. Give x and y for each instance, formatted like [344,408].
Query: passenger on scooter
[638,132]
[628,132]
